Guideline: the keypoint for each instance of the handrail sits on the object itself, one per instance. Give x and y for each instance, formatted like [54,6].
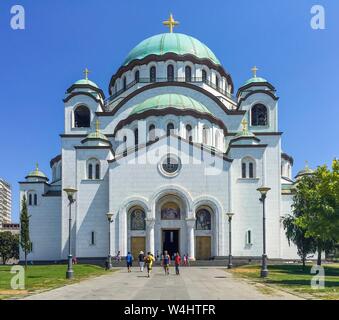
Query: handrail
[178,79]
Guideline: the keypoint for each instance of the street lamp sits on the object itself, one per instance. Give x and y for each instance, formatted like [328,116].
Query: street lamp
[264,271]
[109,258]
[70,195]
[230,215]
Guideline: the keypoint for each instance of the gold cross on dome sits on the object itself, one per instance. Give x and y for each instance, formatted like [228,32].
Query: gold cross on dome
[254,70]
[97,125]
[170,23]
[86,72]
[244,125]
[37,167]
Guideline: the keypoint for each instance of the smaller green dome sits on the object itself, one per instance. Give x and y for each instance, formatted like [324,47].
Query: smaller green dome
[254,80]
[88,82]
[37,174]
[97,135]
[170,100]
[304,172]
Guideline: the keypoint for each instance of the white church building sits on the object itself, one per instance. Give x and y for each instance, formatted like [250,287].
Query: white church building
[169,153]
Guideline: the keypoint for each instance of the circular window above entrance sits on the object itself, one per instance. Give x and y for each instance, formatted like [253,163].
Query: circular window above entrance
[170,165]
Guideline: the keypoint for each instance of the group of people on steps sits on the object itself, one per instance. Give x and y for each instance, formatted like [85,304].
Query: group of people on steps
[149,259]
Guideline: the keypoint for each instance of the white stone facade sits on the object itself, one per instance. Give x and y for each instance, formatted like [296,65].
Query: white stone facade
[118,175]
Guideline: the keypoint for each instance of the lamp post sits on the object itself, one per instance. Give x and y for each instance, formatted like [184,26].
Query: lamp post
[264,271]
[109,257]
[70,195]
[230,215]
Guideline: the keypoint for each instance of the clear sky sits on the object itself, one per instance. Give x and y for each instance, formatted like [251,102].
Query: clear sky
[62,37]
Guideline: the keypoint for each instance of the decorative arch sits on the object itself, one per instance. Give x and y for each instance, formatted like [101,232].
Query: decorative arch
[82,117]
[248,168]
[259,115]
[180,192]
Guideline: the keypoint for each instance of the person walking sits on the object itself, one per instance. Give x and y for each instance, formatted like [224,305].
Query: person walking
[141,259]
[149,263]
[177,261]
[185,260]
[129,260]
[166,262]
[118,257]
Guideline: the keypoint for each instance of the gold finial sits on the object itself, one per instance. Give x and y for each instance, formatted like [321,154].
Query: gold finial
[306,164]
[37,167]
[97,125]
[86,72]
[170,23]
[254,70]
[244,125]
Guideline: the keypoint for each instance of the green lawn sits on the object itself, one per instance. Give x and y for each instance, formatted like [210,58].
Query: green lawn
[294,279]
[39,278]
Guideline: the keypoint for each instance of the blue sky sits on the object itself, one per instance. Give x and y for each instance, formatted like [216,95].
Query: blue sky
[63,37]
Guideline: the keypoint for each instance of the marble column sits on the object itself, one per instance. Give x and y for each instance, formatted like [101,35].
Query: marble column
[150,235]
[190,224]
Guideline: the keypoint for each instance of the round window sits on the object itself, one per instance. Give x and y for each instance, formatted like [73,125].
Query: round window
[170,165]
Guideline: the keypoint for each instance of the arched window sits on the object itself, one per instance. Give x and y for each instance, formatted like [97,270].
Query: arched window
[124,84]
[189,133]
[248,237]
[137,76]
[93,169]
[205,135]
[170,128]
[92,238]
[153,74]
[35,199]
[170,72]
[248,168]
[203,220]
[151,132]
[30,200]
[136,137]
[204,75]
[259,115]
[217,82]
[243,170]
[82,117]
[97,171]
[90,171]
[217,139]
[188,74]
[138,219]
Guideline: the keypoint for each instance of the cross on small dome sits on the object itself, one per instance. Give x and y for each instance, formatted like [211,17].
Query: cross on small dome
[170,23]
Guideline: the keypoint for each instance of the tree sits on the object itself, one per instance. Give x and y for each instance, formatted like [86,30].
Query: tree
[25,241]
[317,199]
[296,234]
[9,246]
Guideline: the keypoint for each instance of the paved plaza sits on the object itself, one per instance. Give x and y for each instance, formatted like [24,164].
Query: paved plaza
[201,283]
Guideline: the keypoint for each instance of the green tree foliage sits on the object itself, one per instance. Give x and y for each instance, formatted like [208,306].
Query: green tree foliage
[295,234]
[316,202]
[25,241]
[9,246]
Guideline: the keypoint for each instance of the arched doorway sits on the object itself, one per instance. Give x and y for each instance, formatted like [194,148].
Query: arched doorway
[204,233]
[137,230]
[170,225]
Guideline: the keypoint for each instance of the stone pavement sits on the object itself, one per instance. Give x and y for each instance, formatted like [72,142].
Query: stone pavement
[200,283]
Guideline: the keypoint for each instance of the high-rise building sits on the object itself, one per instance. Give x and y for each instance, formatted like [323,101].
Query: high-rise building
[5,202]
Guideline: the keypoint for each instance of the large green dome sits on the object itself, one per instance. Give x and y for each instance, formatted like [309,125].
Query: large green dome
[170,100]
[171,42]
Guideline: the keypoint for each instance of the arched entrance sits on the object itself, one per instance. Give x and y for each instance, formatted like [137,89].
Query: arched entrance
[170,225]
